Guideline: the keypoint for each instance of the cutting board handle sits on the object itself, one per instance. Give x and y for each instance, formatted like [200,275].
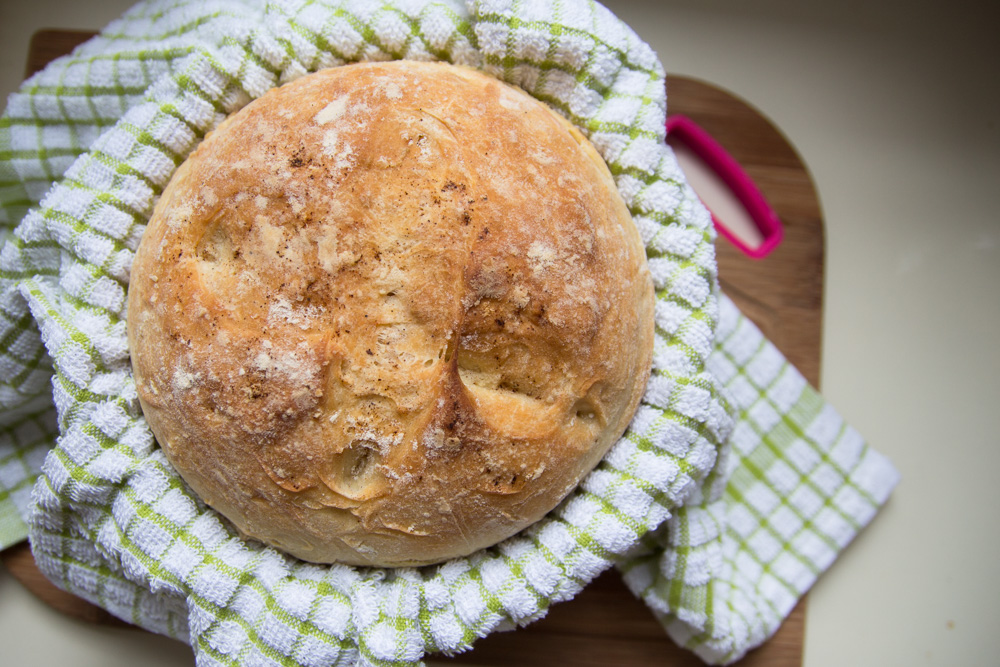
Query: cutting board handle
[682,129]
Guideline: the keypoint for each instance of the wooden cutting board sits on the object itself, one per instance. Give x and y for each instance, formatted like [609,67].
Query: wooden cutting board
[782,293]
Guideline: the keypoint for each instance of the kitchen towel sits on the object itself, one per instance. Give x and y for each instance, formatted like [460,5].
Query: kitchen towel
[720,524]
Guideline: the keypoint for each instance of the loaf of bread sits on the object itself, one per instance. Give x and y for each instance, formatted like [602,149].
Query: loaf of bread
[389,314]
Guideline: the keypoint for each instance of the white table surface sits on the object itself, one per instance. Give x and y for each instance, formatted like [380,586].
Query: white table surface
[894,108]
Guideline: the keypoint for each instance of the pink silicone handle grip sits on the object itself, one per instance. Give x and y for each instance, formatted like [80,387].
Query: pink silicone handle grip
[732,174]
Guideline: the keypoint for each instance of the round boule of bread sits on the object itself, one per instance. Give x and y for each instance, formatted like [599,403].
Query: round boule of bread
[389,314]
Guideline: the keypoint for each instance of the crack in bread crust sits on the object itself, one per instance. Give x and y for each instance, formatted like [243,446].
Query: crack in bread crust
[389,314]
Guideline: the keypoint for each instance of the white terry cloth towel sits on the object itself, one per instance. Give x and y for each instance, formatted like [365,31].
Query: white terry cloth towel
[734,487]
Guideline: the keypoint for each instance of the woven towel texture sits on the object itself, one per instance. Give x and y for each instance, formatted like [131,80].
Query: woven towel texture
[723,573]
[88,144]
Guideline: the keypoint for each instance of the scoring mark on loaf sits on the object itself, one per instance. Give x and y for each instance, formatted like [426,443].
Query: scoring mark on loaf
[357,469]
[506,369]
[216,246]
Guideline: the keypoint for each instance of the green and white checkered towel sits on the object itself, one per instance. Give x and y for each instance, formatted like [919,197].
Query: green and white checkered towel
[719,543]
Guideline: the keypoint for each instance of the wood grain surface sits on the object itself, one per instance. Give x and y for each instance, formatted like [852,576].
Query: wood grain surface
[782,293]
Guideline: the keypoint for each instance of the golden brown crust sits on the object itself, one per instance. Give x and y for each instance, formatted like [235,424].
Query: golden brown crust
[389,314]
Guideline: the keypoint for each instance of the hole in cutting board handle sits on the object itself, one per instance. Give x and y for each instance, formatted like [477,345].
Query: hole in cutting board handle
[738,208]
